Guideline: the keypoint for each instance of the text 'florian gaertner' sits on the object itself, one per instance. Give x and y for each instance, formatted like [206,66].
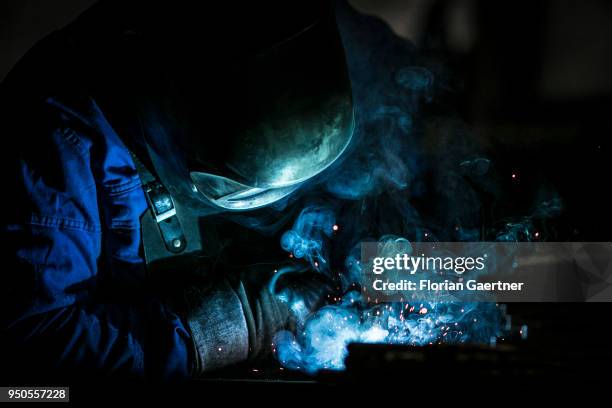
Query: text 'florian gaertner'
[409,264]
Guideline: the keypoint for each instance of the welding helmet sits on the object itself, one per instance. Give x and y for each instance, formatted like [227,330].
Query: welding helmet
[252,108]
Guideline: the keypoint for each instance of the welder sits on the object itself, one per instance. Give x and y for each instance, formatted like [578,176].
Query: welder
[123,130]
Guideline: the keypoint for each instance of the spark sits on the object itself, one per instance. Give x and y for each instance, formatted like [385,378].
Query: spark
[324,335]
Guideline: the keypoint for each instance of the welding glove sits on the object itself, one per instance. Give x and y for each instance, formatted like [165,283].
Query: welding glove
[234,320]
[303,292]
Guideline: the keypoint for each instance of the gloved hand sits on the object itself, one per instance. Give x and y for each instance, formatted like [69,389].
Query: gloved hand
[303,291]
[235,319]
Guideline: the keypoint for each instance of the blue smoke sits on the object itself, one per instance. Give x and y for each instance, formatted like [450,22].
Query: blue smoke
[305,240]
[408,173]
[323,337]
[322,344]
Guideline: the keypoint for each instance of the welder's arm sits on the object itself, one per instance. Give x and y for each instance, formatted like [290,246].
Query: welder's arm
[55,314]
[231,324]
[236,319]
[61,336]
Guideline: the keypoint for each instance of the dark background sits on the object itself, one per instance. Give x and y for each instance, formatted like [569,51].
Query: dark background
[533,82]
[574,37]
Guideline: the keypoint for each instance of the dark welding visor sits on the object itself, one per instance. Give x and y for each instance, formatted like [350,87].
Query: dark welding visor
[267,109]
[243,103]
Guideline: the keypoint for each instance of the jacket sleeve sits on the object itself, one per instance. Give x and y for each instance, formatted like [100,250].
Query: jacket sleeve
[60,255]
